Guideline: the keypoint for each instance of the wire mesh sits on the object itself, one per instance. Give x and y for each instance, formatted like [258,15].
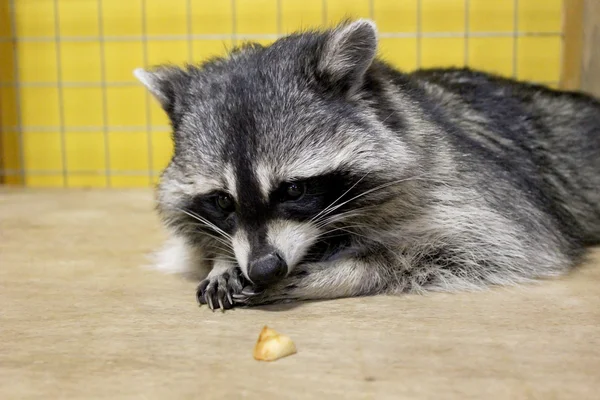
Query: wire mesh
[56,160]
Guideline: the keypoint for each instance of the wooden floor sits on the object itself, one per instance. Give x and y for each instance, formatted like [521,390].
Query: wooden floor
[80,317]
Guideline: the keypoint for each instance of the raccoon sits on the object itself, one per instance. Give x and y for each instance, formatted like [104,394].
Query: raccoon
[311,169]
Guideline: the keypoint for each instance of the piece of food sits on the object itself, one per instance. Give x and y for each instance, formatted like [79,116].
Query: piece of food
[272,346]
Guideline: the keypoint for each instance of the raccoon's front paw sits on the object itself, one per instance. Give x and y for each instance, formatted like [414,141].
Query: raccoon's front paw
[218,291]
[287,290]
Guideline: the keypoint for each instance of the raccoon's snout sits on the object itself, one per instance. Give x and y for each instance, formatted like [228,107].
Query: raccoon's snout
[267,269]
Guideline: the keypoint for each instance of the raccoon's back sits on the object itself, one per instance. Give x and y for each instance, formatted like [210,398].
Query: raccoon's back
[556,132]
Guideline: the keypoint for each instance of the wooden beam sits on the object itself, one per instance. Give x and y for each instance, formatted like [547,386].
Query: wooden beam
[590,68]
[572,53]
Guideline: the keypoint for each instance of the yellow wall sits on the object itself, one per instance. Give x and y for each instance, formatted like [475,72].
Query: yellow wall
[72,114]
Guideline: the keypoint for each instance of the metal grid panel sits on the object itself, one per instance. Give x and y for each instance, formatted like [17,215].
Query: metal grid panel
[189,37]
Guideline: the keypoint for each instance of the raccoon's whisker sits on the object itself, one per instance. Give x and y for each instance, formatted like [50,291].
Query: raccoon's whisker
[228,251]
[345,228]
[207,222]
[326,234]
[333,221]
[217,238]
[210,225]
[315,218]
[207,232]
[368,238]
[227,248]
[388,117]
[229,257]
[357,212]
[332,236]
[220,240]
[340,217]
[220,248]
[382,186]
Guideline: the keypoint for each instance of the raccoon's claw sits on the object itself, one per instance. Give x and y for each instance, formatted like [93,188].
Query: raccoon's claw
[246,293]
[219,291]
[200,291]
[215,294]
[287,290]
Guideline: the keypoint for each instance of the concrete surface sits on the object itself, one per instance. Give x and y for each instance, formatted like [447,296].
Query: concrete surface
[81,318]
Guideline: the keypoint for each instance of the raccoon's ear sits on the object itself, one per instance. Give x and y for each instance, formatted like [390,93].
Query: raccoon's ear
[347,53]
[165,83]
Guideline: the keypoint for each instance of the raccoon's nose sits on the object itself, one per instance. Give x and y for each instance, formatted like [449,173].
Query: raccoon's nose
[267,269]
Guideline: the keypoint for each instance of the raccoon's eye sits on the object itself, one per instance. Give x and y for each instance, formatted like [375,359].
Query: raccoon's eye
[294,190]
[225,202]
